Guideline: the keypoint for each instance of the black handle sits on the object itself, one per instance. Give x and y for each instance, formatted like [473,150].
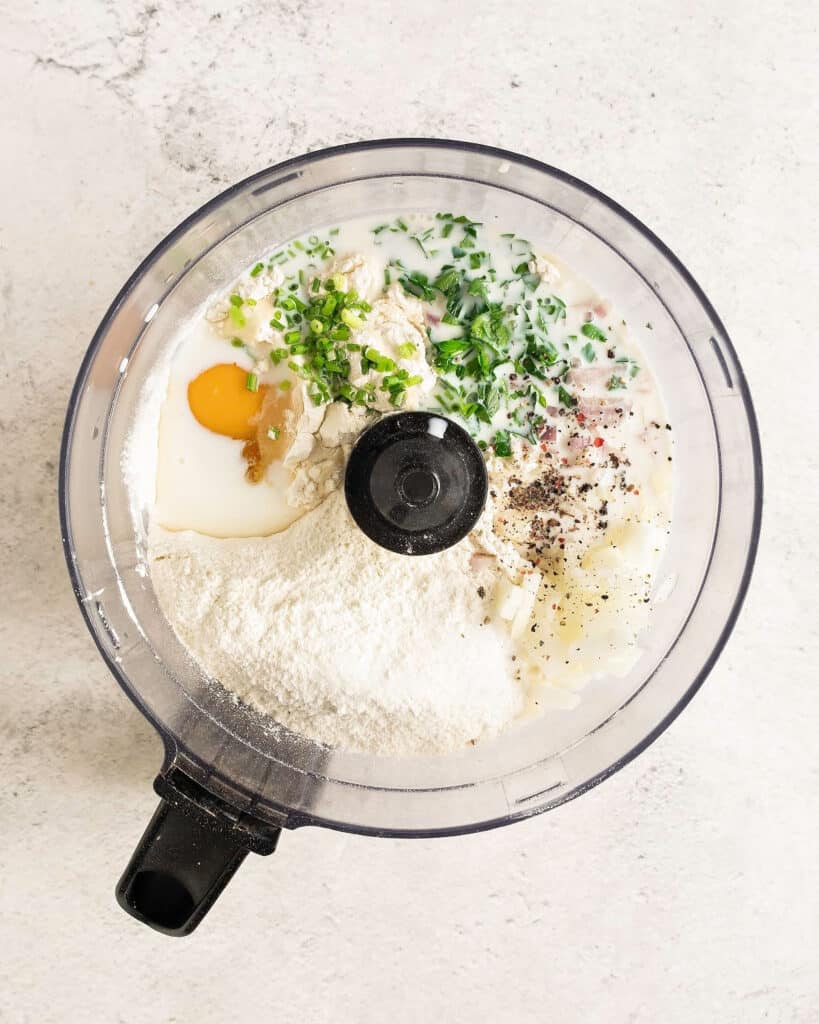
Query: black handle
[187,855]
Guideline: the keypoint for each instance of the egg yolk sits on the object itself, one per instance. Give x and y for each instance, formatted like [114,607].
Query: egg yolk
[221,401]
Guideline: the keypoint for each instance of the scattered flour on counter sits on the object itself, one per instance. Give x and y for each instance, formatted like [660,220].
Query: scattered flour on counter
[341,640]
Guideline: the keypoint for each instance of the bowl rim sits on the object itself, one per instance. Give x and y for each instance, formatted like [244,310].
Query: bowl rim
[591,192]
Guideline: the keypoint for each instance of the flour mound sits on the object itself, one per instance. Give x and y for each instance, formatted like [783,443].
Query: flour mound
[340,640]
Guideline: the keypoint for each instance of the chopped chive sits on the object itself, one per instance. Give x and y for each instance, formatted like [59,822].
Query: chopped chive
[407,350]
[257,270]
[350,319]
[236,300]
[273,433]
[252,382]
[382,363]
[237,342]
[316,326]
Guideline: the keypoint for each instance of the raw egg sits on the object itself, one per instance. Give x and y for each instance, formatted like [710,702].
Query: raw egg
[205,482]
[221,401]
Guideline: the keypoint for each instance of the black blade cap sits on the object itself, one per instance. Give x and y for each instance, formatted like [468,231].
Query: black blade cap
[415,483]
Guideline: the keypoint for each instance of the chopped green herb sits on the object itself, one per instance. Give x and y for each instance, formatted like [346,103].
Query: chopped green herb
[351,319]
[417,284]
[252,382]
[257,270]
[236,300]
[588,352]
[502,444]
[615,383]
[380,362]
[273,433]
[593,332]
[407,350]
[565,398]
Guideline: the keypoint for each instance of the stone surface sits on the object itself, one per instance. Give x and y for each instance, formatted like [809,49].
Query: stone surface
[686,888]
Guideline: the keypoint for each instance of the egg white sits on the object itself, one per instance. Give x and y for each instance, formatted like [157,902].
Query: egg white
[201,482]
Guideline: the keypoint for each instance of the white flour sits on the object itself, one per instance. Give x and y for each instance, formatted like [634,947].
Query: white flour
[341,640]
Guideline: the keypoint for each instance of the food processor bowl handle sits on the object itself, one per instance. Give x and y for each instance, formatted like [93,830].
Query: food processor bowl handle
[189,852]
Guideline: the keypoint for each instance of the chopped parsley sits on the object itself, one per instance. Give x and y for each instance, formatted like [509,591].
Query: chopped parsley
[565,398]
[502,444]
[593,332]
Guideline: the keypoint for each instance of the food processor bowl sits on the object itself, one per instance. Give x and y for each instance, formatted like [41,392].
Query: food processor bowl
[231,779]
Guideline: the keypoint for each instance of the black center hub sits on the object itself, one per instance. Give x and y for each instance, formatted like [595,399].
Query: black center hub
[415,483]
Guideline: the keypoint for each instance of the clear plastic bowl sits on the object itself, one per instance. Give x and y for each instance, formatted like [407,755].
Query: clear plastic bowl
[228,752]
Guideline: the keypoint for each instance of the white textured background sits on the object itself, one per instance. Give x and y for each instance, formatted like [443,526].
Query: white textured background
[685,889]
